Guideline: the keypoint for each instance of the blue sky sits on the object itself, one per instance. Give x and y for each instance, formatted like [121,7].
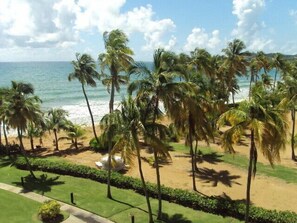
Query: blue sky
[55,30]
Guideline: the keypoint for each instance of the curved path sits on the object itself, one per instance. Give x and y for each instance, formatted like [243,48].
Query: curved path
[77,215]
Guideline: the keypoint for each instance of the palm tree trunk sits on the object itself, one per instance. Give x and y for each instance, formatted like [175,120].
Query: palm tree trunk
[0,134]
[75,143]
[249,179]
[31,143]
[233,100]
[24,153]
[143,182]
[5,134]
[293,114]
[56,140]
[192,152]
[196,151]
[275,75]
[159,215]
[109,171]
[91,114]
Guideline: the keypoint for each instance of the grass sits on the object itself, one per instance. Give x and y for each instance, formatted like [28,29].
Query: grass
[278,171]
[91,195]
[20,209]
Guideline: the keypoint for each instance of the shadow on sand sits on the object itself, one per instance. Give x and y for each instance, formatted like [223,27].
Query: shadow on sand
[215,177]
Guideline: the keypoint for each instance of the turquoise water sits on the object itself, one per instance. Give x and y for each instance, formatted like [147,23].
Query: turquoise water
[50,80]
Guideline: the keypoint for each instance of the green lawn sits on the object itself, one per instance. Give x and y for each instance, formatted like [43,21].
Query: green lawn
[91,195]
[210,155]
[16,208]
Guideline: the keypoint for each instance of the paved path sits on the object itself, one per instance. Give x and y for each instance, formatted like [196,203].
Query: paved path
[77,215]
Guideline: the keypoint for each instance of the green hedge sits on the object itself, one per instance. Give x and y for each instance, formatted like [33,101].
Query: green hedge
[216,205]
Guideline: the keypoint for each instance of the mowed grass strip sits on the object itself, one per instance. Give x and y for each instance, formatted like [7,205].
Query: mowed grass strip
[91,196]
[278,171]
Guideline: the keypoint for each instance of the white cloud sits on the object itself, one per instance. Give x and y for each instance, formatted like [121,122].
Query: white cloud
[59,23]
[249,26]
[199,38]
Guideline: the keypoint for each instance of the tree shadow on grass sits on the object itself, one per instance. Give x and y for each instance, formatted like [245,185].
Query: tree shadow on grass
[176,218]
[130,205]
[214,177]
[41,185]
[7,161]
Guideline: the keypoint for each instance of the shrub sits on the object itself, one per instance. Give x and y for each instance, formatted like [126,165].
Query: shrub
[49,210]
[216,205]
[102,146]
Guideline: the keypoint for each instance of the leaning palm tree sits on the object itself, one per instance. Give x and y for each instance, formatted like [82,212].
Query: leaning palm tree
[267,129]
[85,72]
[19,109]
[160,86]
[56,120]
[115,60]
[125,124]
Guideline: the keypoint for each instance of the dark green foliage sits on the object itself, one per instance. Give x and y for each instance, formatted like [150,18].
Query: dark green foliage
[103,144]
[216,205]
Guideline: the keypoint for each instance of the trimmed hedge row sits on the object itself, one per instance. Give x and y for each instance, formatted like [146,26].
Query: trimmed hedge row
[216,205]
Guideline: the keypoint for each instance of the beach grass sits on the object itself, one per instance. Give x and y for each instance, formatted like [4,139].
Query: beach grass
[91,196]
[278,171]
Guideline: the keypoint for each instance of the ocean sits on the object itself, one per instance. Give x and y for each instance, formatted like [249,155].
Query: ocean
[50,80]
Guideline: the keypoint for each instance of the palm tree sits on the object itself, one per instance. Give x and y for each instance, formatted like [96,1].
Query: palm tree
[289,89]
[85,72]
[126,125]
[19,109]
[74,133]
[201,61]
[260,62]
[267,129]
[116,59]
[56,121]
[235,63]
[157,84]
[279,64]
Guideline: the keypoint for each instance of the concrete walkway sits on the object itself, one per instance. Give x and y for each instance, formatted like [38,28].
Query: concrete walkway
[77,215]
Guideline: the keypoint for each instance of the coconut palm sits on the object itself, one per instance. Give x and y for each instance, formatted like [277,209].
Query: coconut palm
[158,84]
[36,129]
[267,129]
[235,63]
[20,108]
[260,62]
[74,133]
[115,60]
[201,61]
[85,72]
[279,64]
[289,89]
[56,120]
[126,125]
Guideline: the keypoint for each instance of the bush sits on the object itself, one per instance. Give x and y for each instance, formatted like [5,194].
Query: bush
[49,210]
[216,205]
[102,146]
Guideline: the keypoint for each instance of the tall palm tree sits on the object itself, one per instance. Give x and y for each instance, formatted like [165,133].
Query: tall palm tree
[116,59]
[279,64]
[189,113]
[85,72]
[235,63]
[260,62]
[159,85]
[20,108]
[126,125]
[201,61]
[267,129]
[56,120]
[289,89]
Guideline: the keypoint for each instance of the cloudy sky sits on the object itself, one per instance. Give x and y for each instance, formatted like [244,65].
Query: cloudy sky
[54,30]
